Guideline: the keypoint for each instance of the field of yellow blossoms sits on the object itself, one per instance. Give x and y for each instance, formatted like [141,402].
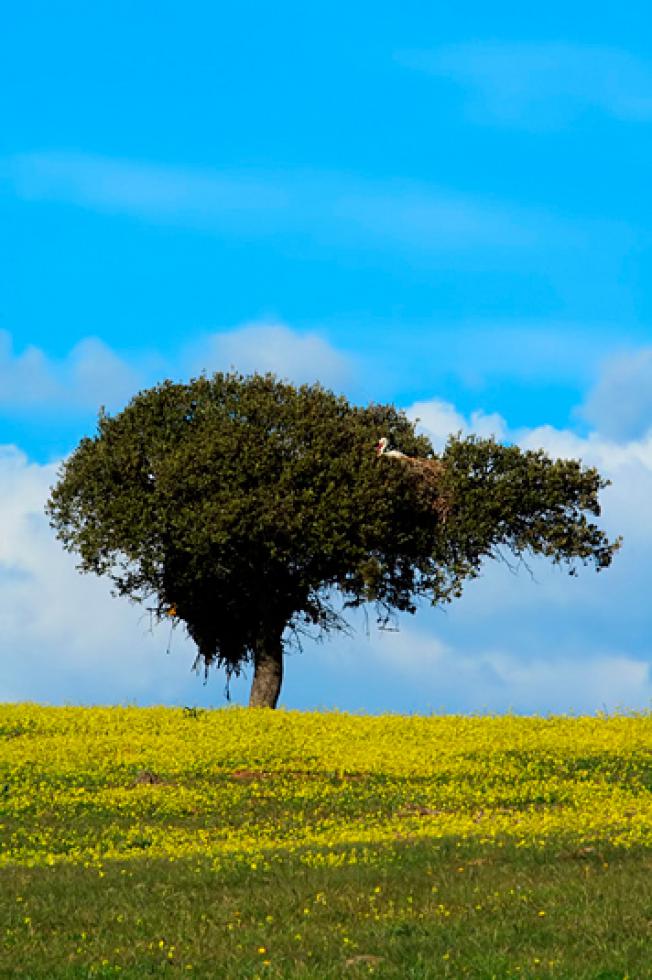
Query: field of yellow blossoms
[99,784]
[243,843]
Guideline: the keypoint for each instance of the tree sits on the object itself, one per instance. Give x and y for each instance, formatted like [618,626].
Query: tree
[247,508]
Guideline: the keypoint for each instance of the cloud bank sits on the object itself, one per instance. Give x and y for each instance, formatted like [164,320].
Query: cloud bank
[92,374]
[620,404]
[263,347]
[439,419]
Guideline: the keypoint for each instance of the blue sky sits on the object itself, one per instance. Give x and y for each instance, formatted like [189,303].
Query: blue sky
[444,206]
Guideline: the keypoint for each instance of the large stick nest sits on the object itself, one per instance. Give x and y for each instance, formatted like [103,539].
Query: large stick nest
[429,475]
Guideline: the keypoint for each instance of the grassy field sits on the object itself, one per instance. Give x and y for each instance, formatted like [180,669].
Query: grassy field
[235,843]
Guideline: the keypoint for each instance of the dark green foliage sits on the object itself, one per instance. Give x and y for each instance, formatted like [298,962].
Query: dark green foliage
[522,501]
[241,505]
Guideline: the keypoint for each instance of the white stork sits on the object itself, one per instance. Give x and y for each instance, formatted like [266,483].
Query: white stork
[382,450]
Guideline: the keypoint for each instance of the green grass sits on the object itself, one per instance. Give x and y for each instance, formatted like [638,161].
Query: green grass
[440,909]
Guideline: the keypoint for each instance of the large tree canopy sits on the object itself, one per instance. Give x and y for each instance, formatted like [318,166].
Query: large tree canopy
[242,506]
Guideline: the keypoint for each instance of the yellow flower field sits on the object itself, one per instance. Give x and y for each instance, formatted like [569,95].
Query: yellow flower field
[93,785]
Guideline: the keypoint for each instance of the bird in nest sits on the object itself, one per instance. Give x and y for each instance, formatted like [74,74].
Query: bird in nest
[429,472]
[434,466]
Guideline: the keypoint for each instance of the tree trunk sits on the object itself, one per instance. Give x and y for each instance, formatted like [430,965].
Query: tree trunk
[268,673]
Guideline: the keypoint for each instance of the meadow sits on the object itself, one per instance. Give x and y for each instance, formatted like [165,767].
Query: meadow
[237,843]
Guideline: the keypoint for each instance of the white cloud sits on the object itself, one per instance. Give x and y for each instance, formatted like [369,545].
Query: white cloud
[438,420]
[293,355]
[620,404]
[90,375]
[542,83]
